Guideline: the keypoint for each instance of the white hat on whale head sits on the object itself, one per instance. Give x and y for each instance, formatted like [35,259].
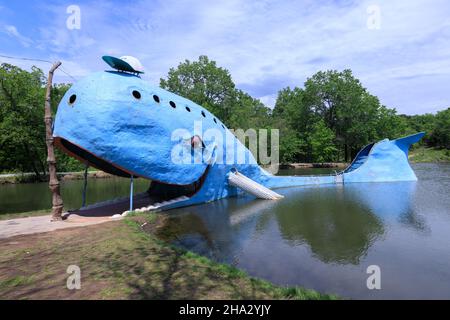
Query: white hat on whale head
[125,63]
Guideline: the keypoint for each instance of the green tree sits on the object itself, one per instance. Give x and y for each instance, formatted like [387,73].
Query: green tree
[322,142]
[417,123]
[390,125]
[22,129]
[204,83]
[22,141]
[213,88]
[440,136]
[247,112]
[355,116]
[295,121]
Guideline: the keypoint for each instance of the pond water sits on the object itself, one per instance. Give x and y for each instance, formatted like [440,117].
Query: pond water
[37,196]
[322,238]
[325,238]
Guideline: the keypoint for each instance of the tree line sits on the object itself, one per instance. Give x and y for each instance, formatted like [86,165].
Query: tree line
[328,119]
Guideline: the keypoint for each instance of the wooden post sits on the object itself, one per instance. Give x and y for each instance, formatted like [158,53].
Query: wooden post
[57,202]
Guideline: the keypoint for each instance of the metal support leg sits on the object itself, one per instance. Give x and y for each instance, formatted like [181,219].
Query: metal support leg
[85,186]
[131,193]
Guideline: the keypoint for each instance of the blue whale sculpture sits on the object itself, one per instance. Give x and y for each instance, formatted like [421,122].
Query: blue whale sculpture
[118,123]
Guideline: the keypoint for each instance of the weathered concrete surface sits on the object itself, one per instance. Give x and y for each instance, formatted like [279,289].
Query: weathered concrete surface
[30,225]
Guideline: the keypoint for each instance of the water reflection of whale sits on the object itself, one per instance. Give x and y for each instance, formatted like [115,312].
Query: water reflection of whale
[335,229]
[338,224]
[217,229]
[390,201]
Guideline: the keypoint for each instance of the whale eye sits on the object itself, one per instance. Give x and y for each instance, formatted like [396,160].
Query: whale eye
[172,104]
[196,142]
[72,99]
[156,98]
[136,94]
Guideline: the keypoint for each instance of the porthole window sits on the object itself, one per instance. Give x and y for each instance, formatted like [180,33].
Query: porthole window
[223,126]
[156,98]
[203,114]
[72,99]
[215,120]
[188,109]
[136,94]
[172,104]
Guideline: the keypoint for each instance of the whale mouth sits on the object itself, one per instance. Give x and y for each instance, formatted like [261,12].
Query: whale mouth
[158,194]
[90,159]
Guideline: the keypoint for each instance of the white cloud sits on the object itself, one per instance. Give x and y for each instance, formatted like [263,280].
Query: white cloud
[12,31]
[267,45]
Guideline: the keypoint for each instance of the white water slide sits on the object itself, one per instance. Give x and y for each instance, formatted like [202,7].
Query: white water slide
[237,179]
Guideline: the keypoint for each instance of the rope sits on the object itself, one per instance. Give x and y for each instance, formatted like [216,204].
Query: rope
[37,60]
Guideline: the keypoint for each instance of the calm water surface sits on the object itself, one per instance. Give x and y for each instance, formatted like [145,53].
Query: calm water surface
[317,237]
[325,237]
[37,196]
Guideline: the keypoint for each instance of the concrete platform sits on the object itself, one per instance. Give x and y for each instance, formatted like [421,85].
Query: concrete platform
[30,225]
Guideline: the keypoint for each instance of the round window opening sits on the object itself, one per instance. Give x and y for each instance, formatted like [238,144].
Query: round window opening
[172,104]
[136,94]
[188,109]
[156,98]
[72,99]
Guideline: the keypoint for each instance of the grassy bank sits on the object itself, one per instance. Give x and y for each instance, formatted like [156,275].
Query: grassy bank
[423,154]
[14,177]
[118,260]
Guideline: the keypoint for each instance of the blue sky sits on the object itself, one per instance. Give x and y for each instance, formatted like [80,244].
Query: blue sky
[266,45]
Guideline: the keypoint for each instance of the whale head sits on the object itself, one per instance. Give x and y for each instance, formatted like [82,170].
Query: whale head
[118,123]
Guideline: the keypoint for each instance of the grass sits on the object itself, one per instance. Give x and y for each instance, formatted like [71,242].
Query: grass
[16,281]
[119,260]
[424,154]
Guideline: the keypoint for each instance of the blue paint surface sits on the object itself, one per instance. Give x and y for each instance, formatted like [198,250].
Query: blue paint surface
[133,133]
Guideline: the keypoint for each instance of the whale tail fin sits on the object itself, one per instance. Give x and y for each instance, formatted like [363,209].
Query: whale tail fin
[386,160]
[406,142]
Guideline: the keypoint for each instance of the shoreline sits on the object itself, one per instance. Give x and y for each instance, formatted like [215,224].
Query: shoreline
[28,177]
[314,165]
[125,259]
[418,155]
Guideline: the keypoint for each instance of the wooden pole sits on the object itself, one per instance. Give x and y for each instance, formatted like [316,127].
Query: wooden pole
[57,202]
